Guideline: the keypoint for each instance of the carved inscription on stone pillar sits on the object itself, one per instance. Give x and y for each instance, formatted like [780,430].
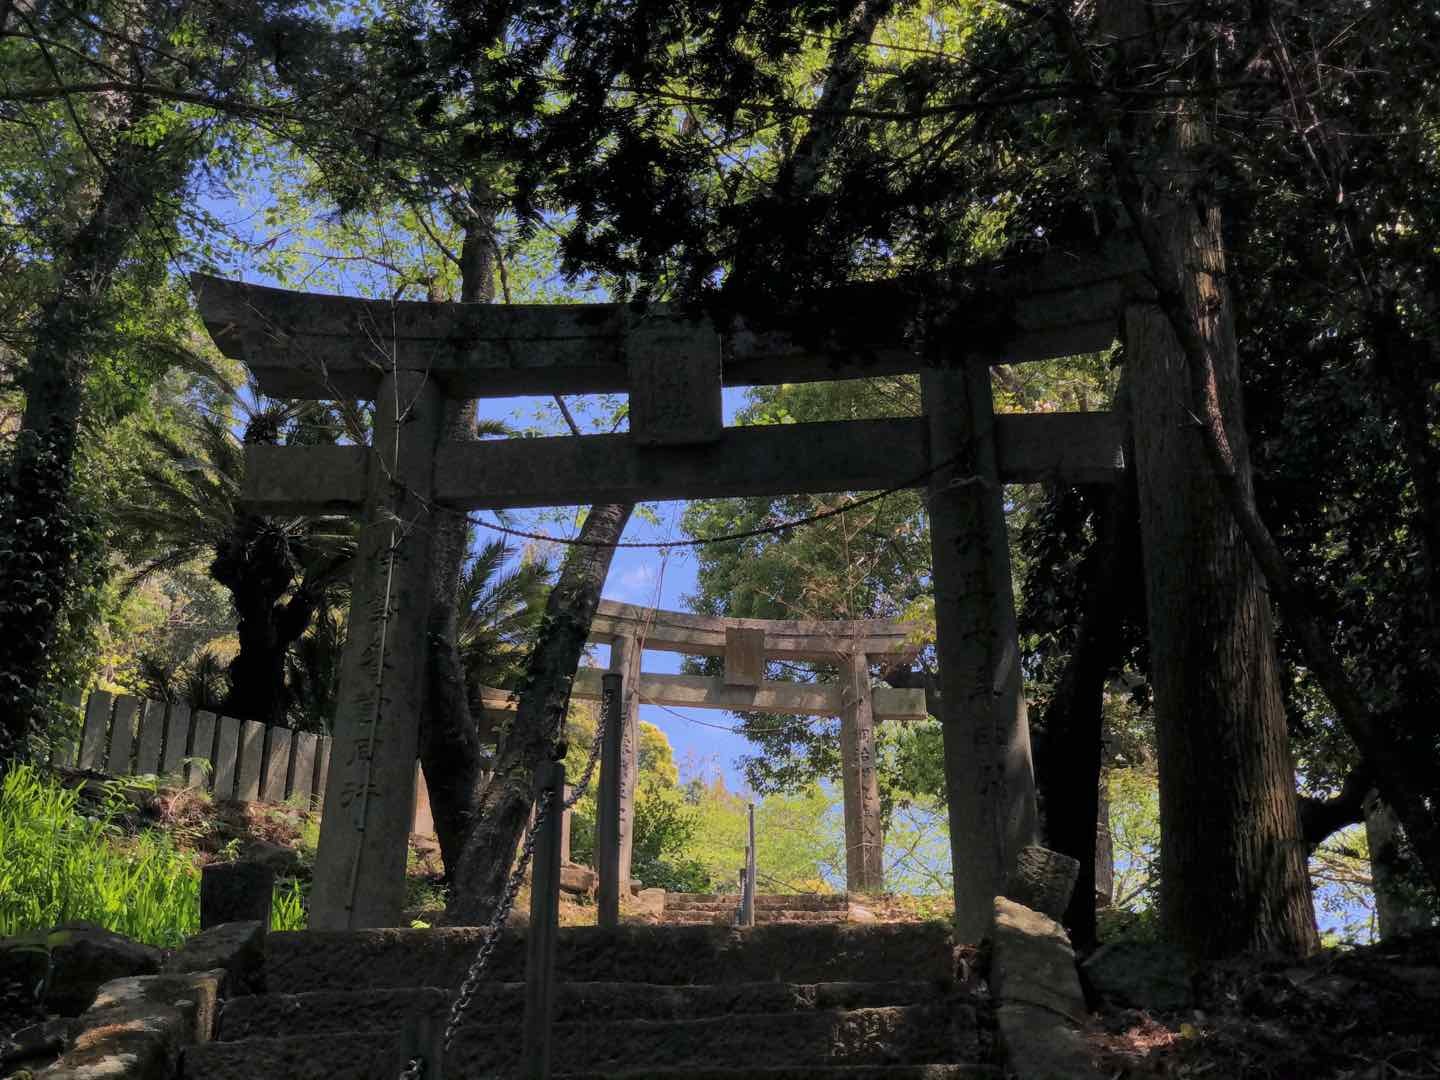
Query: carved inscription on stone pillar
[988,774]
[370,790]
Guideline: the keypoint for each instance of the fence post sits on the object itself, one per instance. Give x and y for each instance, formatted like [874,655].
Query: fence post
[544,924]
[607,824]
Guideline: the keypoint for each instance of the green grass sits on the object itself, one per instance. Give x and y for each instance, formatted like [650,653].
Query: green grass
[61,861]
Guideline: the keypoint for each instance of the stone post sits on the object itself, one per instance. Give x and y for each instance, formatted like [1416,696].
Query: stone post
[989,778]
[864,845]
[625,658]
[565,828]
[236,892]
[607,809]
[370,789]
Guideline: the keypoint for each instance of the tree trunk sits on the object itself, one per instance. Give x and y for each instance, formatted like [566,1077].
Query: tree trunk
[1399,904]
[1233,872]
[504,806]
[450,750]
[1068,770]
[254,565]
[45,537]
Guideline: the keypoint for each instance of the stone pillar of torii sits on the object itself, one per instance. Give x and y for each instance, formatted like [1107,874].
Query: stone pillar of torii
[409,357]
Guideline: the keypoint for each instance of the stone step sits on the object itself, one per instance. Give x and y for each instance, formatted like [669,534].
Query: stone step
[698,918]
[299,961]
[334,1011]
[793,901]
[797,915]
[894,1035]
[804,1072]
[726,917]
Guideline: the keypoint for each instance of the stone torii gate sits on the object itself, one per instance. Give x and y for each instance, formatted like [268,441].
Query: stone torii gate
[746,644]
[409,357]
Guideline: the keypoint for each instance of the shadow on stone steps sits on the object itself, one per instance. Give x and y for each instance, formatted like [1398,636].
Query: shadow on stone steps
[671,955]
[333,1012]
[892,1035]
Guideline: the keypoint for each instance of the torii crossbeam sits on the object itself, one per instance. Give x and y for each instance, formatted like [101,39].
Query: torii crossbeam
[408,357]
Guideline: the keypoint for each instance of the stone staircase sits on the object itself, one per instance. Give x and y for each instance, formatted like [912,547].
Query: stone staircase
[775,1002]
[719,909]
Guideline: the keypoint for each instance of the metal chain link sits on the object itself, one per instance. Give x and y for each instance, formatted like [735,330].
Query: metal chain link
[578,792]
[497,923]
[415,1067]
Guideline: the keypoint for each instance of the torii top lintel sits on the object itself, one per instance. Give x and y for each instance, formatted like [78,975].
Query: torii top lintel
[309,345]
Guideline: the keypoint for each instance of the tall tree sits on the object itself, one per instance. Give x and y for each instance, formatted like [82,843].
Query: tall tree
[121,103]
[1233,873]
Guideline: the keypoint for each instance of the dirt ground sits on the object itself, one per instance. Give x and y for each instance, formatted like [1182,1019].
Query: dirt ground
[1371,1013]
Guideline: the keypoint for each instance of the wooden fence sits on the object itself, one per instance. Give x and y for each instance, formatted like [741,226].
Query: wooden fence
[123,735]
[233,759]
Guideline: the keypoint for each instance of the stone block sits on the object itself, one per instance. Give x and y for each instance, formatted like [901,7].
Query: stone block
[152,739]
[236,948]
[252,760]
[122,735]
[177,739]
[1037,1047]
[138,1026]
[577,880]
[647,904]
[1040,1008]
[83,957]
[1031,961]
[1043,880]
[306,747]
[674,377]
[94,736]
[277,766]
[202,751]
[744,656]
[47,1040]
[236,892]
[227,757]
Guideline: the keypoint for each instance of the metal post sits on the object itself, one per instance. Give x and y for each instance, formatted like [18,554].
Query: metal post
[544,924]
[747,902]
[607,825]
[422,1039]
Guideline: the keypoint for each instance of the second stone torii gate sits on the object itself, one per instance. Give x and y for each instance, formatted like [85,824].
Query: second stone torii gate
[745,645]
[409,357]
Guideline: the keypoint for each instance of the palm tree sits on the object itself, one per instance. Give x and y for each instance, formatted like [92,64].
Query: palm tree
[500,607]
[312,669]
[277,569]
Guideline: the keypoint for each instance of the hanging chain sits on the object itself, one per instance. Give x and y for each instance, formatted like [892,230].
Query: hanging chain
[415,1067]
[497,923]
[579,791]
